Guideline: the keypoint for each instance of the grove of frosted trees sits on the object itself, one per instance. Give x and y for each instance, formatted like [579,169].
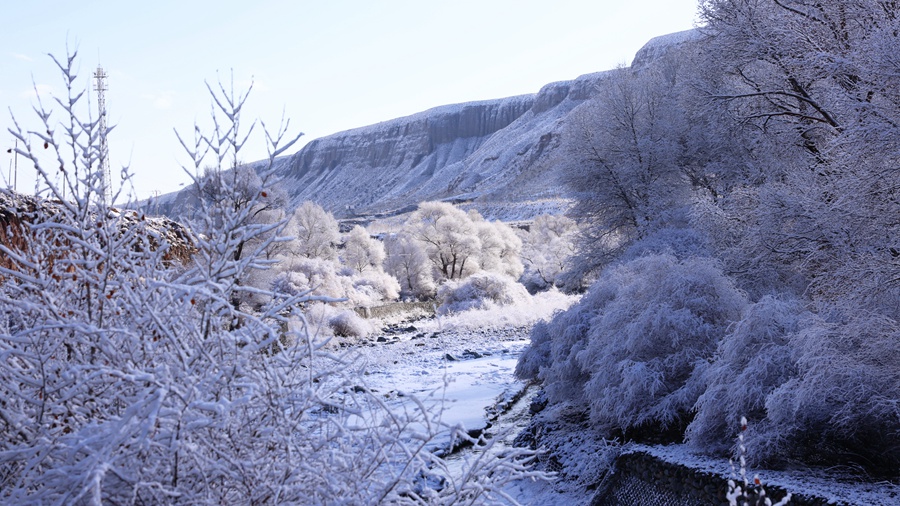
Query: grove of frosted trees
[739,202]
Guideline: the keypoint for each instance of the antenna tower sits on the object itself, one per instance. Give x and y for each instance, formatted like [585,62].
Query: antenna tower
[101,87]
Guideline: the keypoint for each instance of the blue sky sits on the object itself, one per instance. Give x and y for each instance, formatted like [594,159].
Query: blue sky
[328,65]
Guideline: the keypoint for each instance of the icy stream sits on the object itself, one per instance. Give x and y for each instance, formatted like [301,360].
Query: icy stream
[462,373]
[466,374]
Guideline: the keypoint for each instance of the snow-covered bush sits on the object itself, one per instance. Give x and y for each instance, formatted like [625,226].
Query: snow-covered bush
[327,321]
[630,348]
[478,291]
[551,357]
[130,378]
[327,278]
[841,406]
[321,276]
[753,359]
[348,324]
[667,316]
[537,354]
[373,287]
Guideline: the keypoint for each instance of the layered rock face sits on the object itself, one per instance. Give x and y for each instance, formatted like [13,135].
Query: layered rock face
[373,168]
[497,155]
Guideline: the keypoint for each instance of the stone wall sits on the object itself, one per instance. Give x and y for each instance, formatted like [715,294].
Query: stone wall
[396,308]
[641,479]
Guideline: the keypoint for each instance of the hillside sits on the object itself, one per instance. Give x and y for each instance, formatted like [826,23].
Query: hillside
[501,156]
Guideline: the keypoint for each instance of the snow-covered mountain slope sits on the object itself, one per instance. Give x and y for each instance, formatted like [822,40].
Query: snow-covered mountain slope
[502,157]
[495,153]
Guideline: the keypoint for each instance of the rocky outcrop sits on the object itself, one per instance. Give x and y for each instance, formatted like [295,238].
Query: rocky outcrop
[661,47]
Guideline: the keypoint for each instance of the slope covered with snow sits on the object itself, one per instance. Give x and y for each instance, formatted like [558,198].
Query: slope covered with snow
[502,157]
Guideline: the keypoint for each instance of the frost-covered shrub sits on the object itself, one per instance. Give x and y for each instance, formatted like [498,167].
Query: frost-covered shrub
[348,324]
[842,404]
[319,275]
[629,349]
[328,279]
[753,359]
[537,355]
[815,390]
[290,282]
[482,290]
[328,321]
[554,346]
[374,286]
[667,316]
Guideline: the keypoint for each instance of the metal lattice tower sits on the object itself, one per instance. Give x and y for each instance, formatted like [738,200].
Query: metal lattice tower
[101,87]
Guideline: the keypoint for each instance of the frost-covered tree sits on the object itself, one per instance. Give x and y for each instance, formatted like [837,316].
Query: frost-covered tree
[820,79]
[459,244]
[361,252]
[546,249]
[315,231]
[449,238]
[624,161]
[365,256]
[409,264]
[500,247]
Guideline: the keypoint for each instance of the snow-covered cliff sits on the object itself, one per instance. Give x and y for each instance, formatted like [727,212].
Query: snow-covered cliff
[496,154]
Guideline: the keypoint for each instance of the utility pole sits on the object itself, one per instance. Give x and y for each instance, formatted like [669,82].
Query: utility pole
[14,165]
[106,182]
